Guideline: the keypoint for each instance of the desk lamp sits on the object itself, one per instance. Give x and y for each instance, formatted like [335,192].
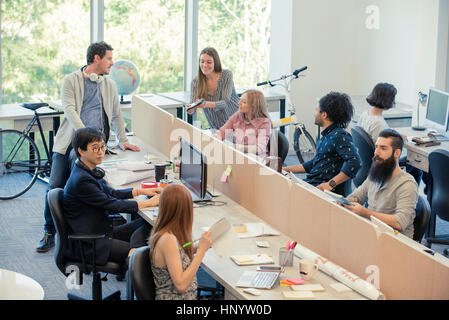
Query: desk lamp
[422,98]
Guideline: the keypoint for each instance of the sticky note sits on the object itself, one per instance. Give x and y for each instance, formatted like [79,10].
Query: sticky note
[224,177]
[298,295]
[228,170]
[240,228]
[308,287]
[284,283]
[296,281]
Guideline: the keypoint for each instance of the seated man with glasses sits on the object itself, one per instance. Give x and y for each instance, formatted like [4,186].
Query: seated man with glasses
[88,201]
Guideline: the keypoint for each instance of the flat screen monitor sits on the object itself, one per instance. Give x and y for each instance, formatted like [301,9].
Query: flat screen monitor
[193,170]
[437,110]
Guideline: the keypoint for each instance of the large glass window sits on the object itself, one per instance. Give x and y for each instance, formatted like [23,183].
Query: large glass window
[150,34]
[240,31]
[41,41]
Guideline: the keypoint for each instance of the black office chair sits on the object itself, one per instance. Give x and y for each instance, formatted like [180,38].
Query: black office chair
[140,280]
[282,144]
[438,195]
[421,218]
[365,146]
[54,198]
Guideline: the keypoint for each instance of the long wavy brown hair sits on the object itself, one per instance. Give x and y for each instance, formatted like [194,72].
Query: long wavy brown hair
[202,83]
[175,216]
[257,104]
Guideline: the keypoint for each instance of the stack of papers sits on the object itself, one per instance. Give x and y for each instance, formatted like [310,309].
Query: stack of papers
[254,230]
[251,259]
[123,172]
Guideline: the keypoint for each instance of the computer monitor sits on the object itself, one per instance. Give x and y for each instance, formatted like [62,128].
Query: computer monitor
[437,110]
[193,170]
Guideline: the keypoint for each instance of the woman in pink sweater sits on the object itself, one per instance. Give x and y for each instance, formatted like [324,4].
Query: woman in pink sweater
[250,126]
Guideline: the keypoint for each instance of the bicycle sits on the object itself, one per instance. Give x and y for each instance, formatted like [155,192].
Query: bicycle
[303,143]
[20,160]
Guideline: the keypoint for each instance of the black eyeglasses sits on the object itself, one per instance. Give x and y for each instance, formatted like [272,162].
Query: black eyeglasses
[98,148]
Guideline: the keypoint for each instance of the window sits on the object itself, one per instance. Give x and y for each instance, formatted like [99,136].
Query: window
[150,34]
[39,45]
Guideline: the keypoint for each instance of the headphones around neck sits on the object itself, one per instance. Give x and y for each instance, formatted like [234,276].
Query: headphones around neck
[93,76]
[97,172]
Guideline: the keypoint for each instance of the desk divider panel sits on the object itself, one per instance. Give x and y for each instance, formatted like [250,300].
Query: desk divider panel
[405,272]
[309,219]
[272,201]
[352,241]
[440,286]
[152,124]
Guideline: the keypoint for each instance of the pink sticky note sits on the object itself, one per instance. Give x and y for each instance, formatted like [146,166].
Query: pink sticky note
[295,281]
[224,177]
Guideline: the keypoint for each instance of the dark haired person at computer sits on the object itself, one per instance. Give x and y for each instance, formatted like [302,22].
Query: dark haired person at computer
[251,126]
[382,98]
[175,259]
[89,100]
[216,86]
[88,201]
[389,192]
[336,159]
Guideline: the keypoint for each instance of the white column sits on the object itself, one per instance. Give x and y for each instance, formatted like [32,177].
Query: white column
[96,20]
[191,42]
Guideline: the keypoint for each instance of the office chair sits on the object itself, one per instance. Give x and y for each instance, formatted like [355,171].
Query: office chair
[54,198]
[421,218]
[438,195]
[365,146]
[282,144]
[140,280]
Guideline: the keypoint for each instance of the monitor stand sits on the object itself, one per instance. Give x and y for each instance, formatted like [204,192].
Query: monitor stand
[418,128]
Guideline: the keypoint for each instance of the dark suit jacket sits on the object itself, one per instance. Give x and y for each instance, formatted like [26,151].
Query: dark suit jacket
[87,203]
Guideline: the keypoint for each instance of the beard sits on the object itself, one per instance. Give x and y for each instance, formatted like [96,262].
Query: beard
[381,170]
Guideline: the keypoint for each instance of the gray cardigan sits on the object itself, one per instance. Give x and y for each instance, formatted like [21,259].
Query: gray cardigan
[225,98]
[72,94]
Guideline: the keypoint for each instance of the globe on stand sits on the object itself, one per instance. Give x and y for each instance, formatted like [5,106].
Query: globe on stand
[126,77]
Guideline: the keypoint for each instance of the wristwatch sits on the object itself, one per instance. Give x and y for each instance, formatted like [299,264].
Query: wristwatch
[332,183]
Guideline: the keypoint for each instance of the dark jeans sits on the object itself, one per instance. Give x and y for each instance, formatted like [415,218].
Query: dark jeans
[60,172]
[130,235]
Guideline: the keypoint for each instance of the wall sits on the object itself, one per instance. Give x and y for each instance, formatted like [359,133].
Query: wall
[332,39]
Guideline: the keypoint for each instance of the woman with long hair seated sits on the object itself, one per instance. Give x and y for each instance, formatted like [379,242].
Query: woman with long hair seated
[175,265]
[250,126]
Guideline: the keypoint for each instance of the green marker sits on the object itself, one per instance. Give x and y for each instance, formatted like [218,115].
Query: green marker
[189,243]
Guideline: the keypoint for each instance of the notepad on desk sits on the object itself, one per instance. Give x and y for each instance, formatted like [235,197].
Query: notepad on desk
[253,230]
[252,259]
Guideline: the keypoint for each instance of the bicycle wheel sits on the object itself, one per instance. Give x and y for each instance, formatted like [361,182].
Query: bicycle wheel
[19,163]
[304,145]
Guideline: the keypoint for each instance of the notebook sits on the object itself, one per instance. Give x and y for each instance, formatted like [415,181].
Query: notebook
[252,259]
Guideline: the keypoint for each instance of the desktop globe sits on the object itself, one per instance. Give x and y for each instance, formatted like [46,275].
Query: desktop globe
[126,77]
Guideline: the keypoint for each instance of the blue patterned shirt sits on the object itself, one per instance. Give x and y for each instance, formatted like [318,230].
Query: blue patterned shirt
[335,153]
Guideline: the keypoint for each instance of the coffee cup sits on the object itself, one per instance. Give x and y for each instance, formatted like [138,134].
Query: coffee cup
[159,169]
[307,269]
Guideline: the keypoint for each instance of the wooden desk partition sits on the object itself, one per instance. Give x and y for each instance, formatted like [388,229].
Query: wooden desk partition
[301,213]
[352,241]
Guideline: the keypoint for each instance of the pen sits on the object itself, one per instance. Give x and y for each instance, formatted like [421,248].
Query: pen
[189,243]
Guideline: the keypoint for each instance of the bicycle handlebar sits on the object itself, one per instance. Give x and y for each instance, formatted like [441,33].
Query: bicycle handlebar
[294,74]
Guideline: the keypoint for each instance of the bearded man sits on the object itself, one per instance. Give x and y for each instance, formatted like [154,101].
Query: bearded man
[390,193]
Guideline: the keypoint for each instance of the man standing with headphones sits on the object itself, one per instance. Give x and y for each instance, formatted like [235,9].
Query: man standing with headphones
[89,100]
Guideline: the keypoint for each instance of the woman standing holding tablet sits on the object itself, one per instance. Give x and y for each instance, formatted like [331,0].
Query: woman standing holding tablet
[172,254]
[216,87]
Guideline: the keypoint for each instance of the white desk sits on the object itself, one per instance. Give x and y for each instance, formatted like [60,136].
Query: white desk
[223,269]
[275,101]
[16,286]
[14,116]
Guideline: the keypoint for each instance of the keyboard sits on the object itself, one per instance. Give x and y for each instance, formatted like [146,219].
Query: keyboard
[264,279]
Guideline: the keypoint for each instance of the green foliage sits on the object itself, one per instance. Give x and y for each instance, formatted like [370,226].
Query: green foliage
[43,40]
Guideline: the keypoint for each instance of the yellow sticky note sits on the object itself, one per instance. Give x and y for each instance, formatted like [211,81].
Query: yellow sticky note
[228,170]
[286,120]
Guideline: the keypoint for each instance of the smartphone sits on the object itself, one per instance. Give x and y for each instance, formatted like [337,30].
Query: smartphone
[272,269]
[195,104]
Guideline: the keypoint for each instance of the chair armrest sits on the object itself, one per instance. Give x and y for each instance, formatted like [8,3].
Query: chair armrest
[86,237]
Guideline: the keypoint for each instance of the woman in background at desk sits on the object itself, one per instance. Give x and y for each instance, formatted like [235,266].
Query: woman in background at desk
[251,126]
[216,87]
[172,250]
[382,98]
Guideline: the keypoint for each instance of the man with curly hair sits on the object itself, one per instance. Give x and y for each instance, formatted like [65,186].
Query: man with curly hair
[336,159]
